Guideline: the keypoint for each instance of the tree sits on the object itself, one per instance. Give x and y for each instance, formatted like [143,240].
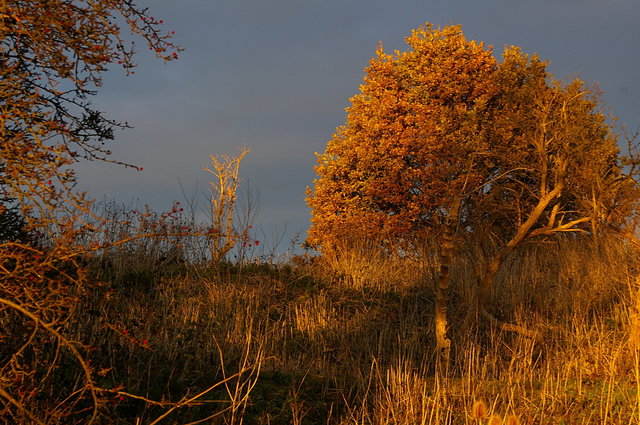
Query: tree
[409,142]
[555,167]
[444,140]
[52,56]
[224,194]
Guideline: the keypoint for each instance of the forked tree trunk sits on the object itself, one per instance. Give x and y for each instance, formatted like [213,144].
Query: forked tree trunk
[524,231]
[485,280]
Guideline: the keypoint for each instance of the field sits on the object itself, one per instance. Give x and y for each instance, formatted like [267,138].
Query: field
[349,339]
[476,219]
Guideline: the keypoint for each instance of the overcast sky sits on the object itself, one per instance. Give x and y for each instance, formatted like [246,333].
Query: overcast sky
[276,75]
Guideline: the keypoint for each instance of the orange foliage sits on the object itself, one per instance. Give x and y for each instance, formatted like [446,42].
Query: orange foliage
[410,132]
[444,121]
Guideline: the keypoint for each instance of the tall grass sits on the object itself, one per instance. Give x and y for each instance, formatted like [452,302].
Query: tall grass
[349,338]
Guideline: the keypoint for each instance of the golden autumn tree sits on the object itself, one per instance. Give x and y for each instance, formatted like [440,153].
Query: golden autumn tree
[412,145]
[52,56]
[409,143]
[444,139]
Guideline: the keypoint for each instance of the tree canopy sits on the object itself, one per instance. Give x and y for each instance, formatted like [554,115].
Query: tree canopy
[445,122]
[52,56]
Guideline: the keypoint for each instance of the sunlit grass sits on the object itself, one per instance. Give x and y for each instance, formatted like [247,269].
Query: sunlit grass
[307,342]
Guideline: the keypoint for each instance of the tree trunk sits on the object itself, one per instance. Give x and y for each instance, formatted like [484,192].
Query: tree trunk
[485,280]
[443,343]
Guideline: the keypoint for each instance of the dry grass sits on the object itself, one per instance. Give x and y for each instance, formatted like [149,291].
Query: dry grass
[293,343]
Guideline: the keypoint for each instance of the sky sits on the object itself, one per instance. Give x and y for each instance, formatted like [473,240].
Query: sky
[276,75]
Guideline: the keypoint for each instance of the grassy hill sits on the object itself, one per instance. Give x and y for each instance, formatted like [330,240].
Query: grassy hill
[349,339]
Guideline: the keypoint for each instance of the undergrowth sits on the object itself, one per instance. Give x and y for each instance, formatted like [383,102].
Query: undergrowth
[350,340]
